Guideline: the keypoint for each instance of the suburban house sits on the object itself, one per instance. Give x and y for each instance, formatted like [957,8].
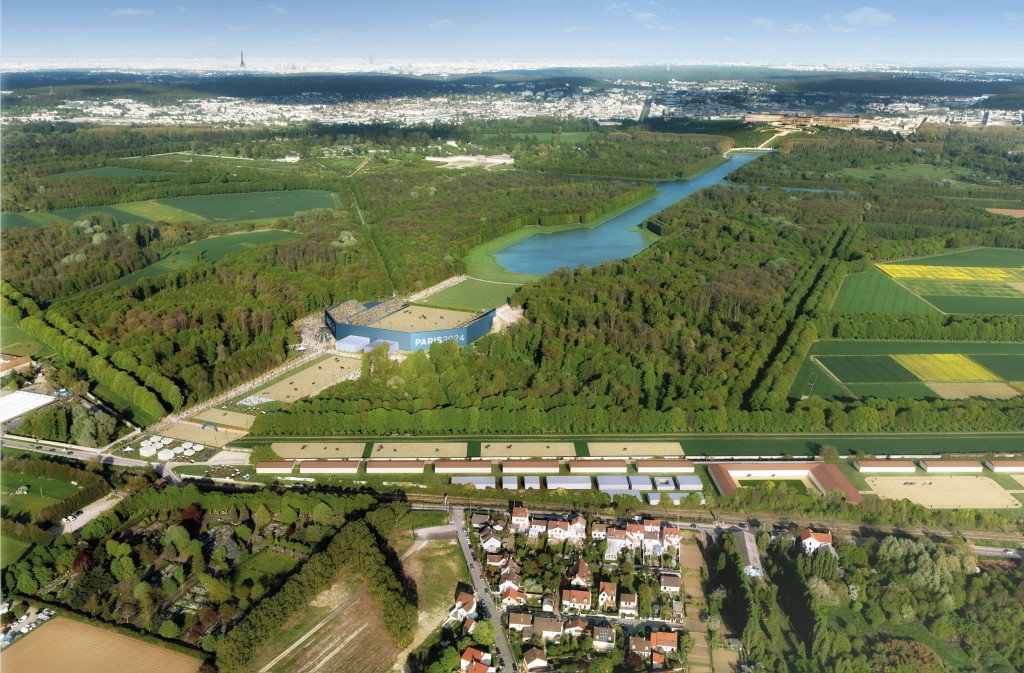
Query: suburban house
[640,646]
[537,528]
[547,602]
[547,628]
[497,560]
[465,606]
[665,641]
[510,580]
[512,598]
[574,628]
[607,598]
[579,574]
[812,541]
[517,621]
[670,584]
[577,529]
[490,542]
[627,604]
[558,529]
[535,659]
[604,638]
[599,531]
[671,536]
[520,519]
[575,600]
[469,625]
[657,661]
[479,519]
[473,659]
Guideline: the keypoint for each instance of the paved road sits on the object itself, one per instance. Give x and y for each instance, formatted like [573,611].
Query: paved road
[483,592]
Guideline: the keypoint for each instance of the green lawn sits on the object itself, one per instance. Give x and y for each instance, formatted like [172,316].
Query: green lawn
[258,205]
[41,492]
[107,172]
[14,341]
[906,171]
[123,406]
[795,485]
[264,566]
[11,550]
[472,295]
[875,292]
[210,250]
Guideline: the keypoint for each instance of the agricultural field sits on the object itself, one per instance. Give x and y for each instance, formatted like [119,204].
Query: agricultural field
[472,295]
[42,493]
[875,292]
[65,645]
[914,370]
[107,172]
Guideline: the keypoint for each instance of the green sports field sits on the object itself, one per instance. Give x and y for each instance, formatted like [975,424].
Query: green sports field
[41,492]
[472,295]
[859,369]
[14,341]
[875,292]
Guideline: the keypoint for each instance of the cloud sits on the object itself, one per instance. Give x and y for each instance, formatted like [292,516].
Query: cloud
[1013,17]
[278,9]
[645,17]
[869,17]
[237,28]
[443,23]
[799,28]
[762,24]
[575,29]
[129,11]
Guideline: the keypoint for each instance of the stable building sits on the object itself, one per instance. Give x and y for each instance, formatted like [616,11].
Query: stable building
[1006,466]
[329,467]
[462,467]
[478,483]
[531,467]
[262,467]
[598,466]
[664,466]
[885,466]
[952,466]
[394,467]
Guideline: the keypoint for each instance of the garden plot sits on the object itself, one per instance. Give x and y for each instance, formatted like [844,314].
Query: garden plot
[629,449]
[231,419]
[419,450]
[312,379]
[942,492]
[527,450]
[65,645]
[319,450]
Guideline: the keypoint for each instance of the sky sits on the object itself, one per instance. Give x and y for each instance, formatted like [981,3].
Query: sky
[637,31]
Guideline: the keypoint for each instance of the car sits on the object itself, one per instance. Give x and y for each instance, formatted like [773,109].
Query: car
[79,513]
[743,526]
[1007,551]
[693,525]
[63,519]
[70,452]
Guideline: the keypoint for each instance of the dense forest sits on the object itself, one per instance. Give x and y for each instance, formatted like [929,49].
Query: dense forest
[889,604]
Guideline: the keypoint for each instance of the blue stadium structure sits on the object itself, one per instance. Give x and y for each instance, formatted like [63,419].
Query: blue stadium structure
[357,326]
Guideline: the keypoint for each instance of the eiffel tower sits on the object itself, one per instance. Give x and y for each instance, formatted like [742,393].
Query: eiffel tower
[242,62]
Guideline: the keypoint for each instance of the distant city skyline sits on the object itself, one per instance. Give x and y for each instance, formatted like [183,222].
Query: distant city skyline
[644,31]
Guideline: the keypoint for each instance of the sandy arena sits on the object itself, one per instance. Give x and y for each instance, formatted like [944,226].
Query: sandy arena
[319,450]
[497,449]
[221,417]
[945,492]
[312,379]
[64,645]
[192,432]
[1019,478]
[419,450]
[635,449]
[424,318]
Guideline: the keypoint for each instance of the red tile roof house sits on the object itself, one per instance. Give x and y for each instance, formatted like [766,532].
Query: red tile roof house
[579,574]
[641,646]
[608,596]
[811,540]
[520,519]
[512,598]
[517,621]
[575,600]
[574,628]
[465,605]
[535,659]
[474,656]
[666,641]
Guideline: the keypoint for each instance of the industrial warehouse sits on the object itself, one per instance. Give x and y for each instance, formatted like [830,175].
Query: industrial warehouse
[358,327]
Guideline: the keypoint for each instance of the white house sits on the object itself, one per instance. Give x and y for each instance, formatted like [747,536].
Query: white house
[511,597]
[812,541]
[608,596]
[535,659]
[518,621]
[575,600]
[547,628]
[670,584]
[604,638]
[490,542]
[520,519]
[627,604]
[465,606]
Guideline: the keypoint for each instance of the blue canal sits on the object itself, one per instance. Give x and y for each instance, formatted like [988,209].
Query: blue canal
[541,254]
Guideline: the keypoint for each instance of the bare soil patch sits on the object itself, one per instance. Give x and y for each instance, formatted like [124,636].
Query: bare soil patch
[473,161]
[419,450]
[312,379]
[232,419]
[942,492]
[319,450]
[965,391]
[527,450]
[726,661]
[635,449]
[65,645]
[1012,212]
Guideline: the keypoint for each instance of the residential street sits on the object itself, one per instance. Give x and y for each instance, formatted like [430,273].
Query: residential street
[483,593]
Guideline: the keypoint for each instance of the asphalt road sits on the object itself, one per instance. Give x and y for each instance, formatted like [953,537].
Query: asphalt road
[483,592]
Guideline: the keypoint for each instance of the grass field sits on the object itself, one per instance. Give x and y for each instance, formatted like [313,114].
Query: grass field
[41,492]
[11,550]
[65,645]
[210,250]
[875,292]
[14,341]
[472,295]
[107,172]
[907,369]
[259,205]
[265,567]
[905,171]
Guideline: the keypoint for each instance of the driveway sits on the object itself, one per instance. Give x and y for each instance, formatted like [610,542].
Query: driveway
[483,592]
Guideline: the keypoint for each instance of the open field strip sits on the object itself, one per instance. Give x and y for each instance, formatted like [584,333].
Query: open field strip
[222,417]
[964,273]
[943,492]
[1012,212]
[501,449]
[628,449]
[65,645]
[967,391]
[944,367]
[319,450]
[875,292]
[419,450]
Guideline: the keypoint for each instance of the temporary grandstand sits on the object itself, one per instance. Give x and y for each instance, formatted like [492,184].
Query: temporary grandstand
[402,326]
